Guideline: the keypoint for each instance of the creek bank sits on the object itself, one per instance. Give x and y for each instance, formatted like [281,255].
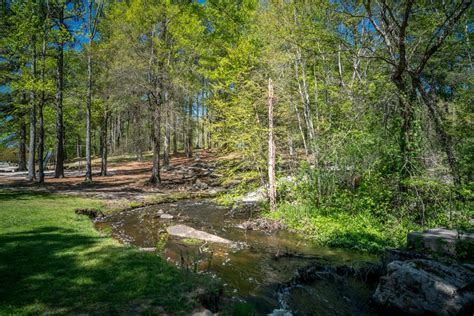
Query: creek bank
[442,240]
[422,286]
[262,269]
[403,282]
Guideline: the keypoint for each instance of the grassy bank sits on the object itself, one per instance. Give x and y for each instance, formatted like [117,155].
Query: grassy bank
[54,261]
[361,231]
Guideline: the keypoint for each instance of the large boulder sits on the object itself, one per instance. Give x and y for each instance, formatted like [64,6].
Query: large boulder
[184,231]
[439,240]
[423,287]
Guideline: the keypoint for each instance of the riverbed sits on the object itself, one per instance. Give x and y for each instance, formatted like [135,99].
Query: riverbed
[254,265]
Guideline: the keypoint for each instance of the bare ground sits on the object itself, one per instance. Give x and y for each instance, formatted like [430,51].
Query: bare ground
[127,179]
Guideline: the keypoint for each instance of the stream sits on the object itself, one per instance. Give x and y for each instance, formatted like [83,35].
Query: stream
[253,266]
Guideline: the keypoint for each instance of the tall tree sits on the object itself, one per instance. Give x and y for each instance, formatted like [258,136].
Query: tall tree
[94,10]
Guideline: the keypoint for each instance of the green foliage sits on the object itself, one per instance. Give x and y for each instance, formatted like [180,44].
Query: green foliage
[465,249]
[239,309]
[161,243]
[370,217]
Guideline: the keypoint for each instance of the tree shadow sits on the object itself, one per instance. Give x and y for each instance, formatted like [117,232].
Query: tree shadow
[58,270]
[15,195]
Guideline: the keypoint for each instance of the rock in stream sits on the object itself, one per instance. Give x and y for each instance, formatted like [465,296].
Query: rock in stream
[423,287]
[189,232]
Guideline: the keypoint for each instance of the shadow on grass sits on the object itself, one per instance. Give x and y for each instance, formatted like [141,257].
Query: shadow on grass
[58,270]
[16,195]
[362,241]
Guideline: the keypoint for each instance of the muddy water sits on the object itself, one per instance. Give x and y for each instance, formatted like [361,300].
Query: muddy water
[253,266]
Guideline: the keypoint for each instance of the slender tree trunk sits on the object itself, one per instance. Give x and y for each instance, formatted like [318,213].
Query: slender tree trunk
[166,147]
[104,143]
[190,129]
[78,146]
[208,121]
[32,144]
[175,132]
[156,135]
[41,141]
[300,127]
[42,104]
[22,147]
[203,137]
[303,89]
[271,150]
[185,126]
[59,170]
[197,121]
[88,177]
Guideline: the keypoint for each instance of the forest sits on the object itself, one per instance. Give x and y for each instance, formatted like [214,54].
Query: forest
[346,123]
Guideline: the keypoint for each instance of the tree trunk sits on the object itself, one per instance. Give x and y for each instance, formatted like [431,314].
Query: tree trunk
[271,150]
[175,132]
[166,147]
[104,143]
[303,90]
[59,170]
[156,135]
[22,147]
[443,137]
[208,136]
[406,100]
[203,137]
[32,145]
[197,122]
[300,127]
[189,154]
[41,106]
[88,177]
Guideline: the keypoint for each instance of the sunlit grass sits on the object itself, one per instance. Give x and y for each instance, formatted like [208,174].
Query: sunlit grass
[54,261]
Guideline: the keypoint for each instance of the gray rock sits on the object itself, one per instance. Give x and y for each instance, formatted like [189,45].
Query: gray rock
[189,232]
[438,240]
[257,196]
[205,312]
[426,287]
[148,249]
[199,185]
[166,216]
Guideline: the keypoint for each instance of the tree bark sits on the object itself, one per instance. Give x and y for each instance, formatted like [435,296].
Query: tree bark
[22,147]
[104,143]
[166,147]
[271,150]
[189,153]
[197,121]
[42,103]
[92,28]
[203,136]
[32,144]
[443,137]
[59,169]
[175,132]
[156,135]
[88,177]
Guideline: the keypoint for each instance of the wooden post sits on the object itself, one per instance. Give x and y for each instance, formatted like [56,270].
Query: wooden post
[271,150]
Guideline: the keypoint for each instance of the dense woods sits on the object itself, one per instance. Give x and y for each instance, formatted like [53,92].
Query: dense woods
[372,100]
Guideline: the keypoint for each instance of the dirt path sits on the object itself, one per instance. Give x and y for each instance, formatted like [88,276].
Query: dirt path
[127,179]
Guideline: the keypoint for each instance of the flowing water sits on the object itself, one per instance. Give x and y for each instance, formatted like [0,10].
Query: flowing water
[253,266]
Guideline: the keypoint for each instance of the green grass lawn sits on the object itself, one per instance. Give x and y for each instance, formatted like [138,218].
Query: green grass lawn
[54,261]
